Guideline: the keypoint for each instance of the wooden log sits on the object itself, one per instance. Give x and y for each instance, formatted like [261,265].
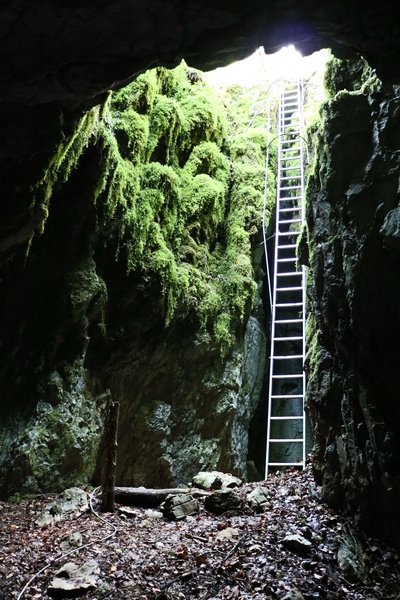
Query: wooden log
[110,458]
[151,497]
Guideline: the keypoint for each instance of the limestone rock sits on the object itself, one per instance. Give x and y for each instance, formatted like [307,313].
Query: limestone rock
[227,534]
[73,540]
[71,500]
[258,499]
[179,506]
[293,595]
[350,559]
[215,480]
[128,511]
[297,543]
[153,514]
[223,501]
[72,581]
[390,230]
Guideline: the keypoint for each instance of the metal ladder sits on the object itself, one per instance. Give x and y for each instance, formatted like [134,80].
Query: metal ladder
[286,426]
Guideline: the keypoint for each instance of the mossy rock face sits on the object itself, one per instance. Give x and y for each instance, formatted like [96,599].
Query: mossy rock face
[149,211]
[57,446]
[354,290]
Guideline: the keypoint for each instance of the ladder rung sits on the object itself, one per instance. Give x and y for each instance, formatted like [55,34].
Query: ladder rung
[286,260]
[293,274]
[286,246]
[285,418]
[288,339]
[288,304]
[286,233]
[288,464]
[289,187]
[290,177]
[290,221]
[277,440]
[290,198]
[286,150]
[281,321]
[291,209]
[276,396]
[287,357]
[288,376]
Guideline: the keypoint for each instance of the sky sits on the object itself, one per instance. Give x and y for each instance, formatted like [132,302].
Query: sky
[286,63]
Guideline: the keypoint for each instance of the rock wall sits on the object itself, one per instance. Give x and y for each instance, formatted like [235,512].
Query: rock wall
[141,280]
[183,408]
[354,298]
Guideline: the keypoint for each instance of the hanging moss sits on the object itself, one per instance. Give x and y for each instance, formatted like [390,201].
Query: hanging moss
[179,193]
[65,159]
[131,146]
[165,124]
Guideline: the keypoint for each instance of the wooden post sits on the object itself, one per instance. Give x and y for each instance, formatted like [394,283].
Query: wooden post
[110,457]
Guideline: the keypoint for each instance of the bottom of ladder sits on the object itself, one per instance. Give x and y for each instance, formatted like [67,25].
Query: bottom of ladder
[286,464]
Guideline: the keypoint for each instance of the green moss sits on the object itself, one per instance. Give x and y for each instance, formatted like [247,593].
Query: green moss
[353,75]
[165,125]
[131,146]
[59,445]
[64,160]
[179,193]
[208,158]
[313,348]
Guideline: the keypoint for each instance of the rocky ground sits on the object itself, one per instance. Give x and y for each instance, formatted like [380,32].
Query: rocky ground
[296,549]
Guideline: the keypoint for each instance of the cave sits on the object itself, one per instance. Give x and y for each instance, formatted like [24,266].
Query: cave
[82,317]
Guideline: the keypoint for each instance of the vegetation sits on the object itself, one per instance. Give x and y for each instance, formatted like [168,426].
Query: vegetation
[180,194]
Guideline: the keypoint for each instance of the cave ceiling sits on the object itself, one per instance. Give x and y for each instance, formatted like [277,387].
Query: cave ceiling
[72,52]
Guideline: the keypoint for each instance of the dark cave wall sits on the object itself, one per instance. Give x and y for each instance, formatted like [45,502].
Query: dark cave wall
[354,298]
[73,52]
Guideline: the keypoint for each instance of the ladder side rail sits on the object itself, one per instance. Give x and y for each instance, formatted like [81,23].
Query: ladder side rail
[288,112]
[274,293]
[303,268]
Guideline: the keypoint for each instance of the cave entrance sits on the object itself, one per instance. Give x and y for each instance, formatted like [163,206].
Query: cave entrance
[288,90]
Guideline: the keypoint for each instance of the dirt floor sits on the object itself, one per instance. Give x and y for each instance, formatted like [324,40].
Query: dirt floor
[238,555]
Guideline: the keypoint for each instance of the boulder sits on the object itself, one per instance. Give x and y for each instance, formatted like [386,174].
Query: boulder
[179,506]
[351,559]
[70,501]
[293,595]
[297,543]
[258,499]
[72,581]
[223,501]
[73,540]
[128,511]
[215,480]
